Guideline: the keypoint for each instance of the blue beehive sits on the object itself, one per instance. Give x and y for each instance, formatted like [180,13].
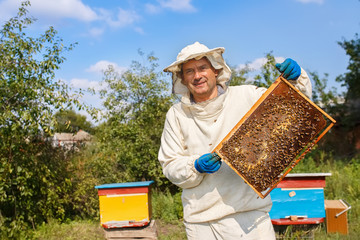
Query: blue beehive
[299,199]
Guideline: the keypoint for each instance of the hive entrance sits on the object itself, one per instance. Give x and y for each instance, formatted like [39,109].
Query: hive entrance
[280,128]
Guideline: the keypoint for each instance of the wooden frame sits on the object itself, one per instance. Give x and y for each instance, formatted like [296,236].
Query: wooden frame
[273,136]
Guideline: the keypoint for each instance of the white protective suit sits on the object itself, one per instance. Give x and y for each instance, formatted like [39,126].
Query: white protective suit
[193,129]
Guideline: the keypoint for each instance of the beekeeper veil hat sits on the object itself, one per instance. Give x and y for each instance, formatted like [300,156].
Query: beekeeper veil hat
[198,51]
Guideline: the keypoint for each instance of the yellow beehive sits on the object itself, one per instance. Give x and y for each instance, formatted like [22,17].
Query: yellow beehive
[125,204]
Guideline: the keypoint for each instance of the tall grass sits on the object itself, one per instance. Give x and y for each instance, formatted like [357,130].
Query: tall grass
[166,206]
[168,212]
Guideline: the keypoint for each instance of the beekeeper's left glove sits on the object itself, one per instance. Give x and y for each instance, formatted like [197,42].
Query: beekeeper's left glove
[208,163]
[289,68]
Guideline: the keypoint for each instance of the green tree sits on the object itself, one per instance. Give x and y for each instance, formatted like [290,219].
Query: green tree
[344,107]
[351,80]
[69,121]
[268,72]
[347,113]
[239,76]
[327,99]
[33,176]
[136,103]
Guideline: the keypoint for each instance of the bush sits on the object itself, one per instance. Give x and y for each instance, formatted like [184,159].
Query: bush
[34,181]
[166,206]
[35,187]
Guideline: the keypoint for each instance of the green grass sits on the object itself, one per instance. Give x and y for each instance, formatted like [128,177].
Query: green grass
[171,230]
[75,230]
[166,207]
[87,230]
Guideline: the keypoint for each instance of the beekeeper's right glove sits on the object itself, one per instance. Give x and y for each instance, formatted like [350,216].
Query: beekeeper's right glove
[208,163]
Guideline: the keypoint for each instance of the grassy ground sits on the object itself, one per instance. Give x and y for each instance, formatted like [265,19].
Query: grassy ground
[174,230]
[76,230]
[86,230]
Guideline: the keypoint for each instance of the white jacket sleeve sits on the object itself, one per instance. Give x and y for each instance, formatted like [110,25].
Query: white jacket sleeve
[177,166]
[303,83]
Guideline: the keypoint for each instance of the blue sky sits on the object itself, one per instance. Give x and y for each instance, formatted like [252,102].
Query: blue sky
[112,31]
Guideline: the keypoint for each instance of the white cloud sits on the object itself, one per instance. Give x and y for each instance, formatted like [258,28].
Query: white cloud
[151,8]
[53,9]
[174,5]
[279,59]
[311,1]
[85,84]
[102,65]
[95,32]
[139,30]
[258,63]
[178,5]
[125,17]
[122,19]
[49,11]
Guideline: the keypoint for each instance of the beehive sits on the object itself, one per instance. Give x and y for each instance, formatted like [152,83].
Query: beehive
[336,216]
[299,196]
[273,136]
[124,205]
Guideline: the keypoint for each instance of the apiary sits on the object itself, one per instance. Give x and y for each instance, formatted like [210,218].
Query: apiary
[124,205]
[276,133]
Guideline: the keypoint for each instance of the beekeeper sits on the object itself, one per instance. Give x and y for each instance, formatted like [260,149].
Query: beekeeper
[217,203]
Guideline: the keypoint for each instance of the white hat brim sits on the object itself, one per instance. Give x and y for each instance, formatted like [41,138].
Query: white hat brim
[175,66]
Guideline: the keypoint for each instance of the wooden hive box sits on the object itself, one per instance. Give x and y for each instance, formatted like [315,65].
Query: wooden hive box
[273,136]
[124,205]
[299,199]
[336,216]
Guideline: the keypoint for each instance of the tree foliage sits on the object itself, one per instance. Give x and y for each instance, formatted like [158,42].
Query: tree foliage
[351,80]
[239,76]
[33,176]
[136,103]
[268,72]
[327,98]
[347,112]
[262,78]
[344,107]
[68,121]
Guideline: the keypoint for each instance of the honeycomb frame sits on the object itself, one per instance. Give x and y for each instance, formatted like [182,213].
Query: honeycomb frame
[273,136]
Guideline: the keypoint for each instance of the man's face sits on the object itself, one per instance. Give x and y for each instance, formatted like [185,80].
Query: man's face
[199,76]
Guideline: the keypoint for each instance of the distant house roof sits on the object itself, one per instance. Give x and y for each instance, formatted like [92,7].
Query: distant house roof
[82,136]
[70,137]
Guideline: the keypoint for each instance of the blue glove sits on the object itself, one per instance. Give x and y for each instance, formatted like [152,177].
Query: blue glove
[208,163]
[289,68]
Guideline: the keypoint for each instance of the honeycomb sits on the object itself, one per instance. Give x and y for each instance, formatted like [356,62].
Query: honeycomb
[281,126]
